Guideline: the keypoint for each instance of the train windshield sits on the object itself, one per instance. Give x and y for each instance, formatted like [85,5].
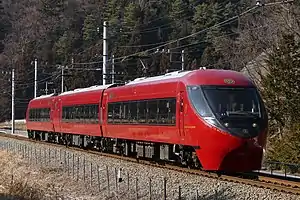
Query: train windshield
[234,101]
[237,110]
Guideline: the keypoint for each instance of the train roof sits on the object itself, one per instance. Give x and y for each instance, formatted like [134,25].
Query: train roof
[88,89]
[45,96]
[167,76]
[190,77]
[197,77]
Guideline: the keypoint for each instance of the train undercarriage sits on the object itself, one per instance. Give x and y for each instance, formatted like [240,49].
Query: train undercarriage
[157,152]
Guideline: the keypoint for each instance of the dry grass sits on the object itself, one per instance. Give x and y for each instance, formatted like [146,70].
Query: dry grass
[19,125]
[21,181]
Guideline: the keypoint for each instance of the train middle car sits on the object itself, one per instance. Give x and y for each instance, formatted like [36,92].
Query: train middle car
[209,119]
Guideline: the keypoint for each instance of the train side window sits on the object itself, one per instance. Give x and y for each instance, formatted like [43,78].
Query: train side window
[87,113]
[142,112]
[30,115]
[132,112]
[67,114]
[64,115]
[110,110]
[172,111]
[96,113]
[73,112]
[84,113]
[78,112]
[125,113]
[38,114]
[44,114]
[41,110]
[33,115]
[163,111]
[152,111]
[117,113]
[92,114]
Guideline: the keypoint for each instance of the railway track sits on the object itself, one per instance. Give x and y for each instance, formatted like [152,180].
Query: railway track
[254,179]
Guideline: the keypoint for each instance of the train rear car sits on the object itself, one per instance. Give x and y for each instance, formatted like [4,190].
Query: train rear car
[39,115]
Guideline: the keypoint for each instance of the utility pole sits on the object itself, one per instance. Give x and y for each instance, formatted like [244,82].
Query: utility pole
[62,79]
[72,62]
[113,69]
[35,77]
[48,83]
[13,101]
[104,52]
[182,60]
[46,89]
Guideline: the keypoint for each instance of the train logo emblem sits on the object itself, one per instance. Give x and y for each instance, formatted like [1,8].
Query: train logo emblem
[229,81]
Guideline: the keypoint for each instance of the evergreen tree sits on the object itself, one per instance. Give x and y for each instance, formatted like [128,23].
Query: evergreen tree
[281,93]
[281,85]
[89,29]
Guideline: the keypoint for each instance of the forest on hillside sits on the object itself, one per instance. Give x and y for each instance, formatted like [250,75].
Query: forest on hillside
[147,38]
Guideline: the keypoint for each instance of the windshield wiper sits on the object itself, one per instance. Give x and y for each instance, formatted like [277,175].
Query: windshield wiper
[241,113]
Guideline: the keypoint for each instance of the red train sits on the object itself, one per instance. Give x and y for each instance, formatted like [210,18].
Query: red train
[209,119]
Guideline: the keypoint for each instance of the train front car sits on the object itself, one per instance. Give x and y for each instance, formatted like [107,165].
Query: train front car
[233,127]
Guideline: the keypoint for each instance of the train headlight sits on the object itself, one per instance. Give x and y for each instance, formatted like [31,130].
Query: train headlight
[254,125]
[226,124]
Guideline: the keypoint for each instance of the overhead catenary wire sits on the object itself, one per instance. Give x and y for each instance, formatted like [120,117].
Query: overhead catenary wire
[230,20]
[225,22]
[184,46]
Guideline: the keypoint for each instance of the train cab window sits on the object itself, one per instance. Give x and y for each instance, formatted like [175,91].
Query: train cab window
[196,97]
[152,111]
[142,111]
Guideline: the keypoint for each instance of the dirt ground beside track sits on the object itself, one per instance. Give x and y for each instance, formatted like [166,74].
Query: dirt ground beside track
[20,180]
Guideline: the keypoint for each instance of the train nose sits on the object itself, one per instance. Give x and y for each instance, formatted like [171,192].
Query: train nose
[246,157]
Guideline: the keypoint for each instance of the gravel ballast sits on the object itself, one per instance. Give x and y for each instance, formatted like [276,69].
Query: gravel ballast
[69,173]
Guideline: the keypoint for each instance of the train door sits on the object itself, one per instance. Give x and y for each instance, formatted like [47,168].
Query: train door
[181,114]
[52,112]
[57,114]
[102,112]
